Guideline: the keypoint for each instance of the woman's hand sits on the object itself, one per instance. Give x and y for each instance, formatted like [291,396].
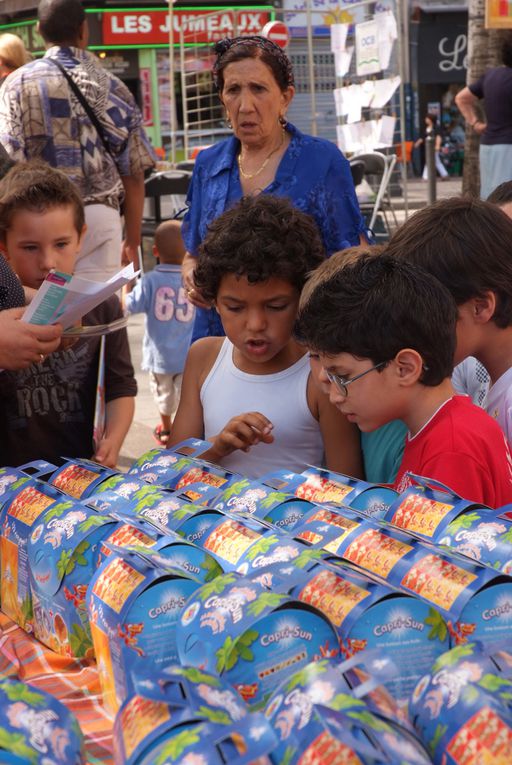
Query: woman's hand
[23,344]
[187,274]
[241,432]
[480,127]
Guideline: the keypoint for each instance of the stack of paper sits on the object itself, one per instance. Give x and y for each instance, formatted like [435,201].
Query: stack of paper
[64,299]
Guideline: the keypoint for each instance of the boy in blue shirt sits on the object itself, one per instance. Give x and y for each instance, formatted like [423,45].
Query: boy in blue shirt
[161,295]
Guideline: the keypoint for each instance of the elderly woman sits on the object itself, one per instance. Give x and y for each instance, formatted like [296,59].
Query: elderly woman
[266,153]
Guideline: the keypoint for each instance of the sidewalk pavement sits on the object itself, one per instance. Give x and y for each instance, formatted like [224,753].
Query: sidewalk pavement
[417,192]
[140,436]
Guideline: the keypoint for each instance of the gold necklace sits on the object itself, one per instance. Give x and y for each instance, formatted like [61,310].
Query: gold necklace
[248,176]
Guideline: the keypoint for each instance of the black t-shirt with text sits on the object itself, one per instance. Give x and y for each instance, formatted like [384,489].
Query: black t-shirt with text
[47,410]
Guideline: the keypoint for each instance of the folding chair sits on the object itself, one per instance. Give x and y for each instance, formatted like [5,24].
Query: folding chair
[165,195]
[186,164]
[357,170]
[378,168]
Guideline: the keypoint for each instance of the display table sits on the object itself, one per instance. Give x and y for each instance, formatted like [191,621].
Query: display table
[73,681]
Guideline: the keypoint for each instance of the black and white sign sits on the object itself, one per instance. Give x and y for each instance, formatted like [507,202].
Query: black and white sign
[442,52]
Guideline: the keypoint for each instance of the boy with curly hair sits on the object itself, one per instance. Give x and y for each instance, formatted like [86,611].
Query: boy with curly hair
[252,393]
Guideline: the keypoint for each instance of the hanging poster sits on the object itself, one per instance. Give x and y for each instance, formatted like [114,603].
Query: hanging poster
[367,48]
[498,14]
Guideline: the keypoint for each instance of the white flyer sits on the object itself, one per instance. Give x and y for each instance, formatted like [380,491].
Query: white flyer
[64,299]
[339,37]
[342,59]
[367,48]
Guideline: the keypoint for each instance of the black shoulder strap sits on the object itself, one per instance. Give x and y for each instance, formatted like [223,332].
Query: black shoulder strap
[88,109]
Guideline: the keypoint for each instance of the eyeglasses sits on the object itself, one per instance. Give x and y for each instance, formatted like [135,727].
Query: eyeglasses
[342,383]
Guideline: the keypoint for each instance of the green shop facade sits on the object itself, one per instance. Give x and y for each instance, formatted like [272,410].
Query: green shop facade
[134,43]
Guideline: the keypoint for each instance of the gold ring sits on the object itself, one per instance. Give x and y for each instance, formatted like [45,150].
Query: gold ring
[41,358]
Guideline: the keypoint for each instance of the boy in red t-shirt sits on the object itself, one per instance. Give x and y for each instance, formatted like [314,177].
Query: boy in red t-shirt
[384,331]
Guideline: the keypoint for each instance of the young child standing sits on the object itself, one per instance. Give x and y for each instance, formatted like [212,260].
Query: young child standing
[252,394]
[47,410]
[384,331]
[161,295]
[465,243]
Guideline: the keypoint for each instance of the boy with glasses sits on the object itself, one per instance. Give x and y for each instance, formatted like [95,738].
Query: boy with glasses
[384,333]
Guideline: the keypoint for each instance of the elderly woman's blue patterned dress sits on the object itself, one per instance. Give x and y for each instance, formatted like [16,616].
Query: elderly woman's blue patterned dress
[313,173]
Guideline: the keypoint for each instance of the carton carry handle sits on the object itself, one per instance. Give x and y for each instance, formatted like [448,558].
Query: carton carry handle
[431,483]
[361,747]
[191,447]
[365,662]
[37,468]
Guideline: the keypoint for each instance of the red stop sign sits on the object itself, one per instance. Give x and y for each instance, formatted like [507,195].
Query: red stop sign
[278,32]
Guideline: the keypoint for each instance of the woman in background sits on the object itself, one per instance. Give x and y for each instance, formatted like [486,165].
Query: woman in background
[13,54]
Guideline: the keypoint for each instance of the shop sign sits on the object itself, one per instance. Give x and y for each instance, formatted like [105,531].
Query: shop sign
[153,27]
[145,87]
[442,53]
[324,13]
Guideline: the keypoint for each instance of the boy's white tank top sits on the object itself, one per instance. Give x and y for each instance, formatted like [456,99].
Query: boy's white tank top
[282,397]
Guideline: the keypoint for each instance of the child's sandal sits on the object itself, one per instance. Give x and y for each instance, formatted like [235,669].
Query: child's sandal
[161,436]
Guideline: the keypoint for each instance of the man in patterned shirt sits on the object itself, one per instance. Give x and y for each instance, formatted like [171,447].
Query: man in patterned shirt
[40,117]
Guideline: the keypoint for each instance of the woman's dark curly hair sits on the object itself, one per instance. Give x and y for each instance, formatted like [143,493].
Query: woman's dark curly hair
[260,237]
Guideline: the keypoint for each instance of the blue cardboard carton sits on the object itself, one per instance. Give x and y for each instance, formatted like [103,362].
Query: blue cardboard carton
[235,628]
[21,511]
[466,598]
[367,614]
[462,708]
[275,549]
[255,498]
[122,492]
[426,509]
[230,538]
[62,556]
[473,600]
[367,731]
[327,527]
[169,550]
[159,457]
[180,466]
[115,502]
[127,532]
[326,487]
[12,478]
[483,535]
[372,546]
[35,728]
[246,742]
[133,605]
[181,694]
[79,477]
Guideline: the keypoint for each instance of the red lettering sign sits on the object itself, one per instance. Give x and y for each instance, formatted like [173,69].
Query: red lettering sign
[145,87]
[152,27]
